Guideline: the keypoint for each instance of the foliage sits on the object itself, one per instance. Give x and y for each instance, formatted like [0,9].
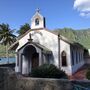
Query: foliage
[24,28]
[81,36]
[6,35]
[3,52]
[48,71]
[88,74]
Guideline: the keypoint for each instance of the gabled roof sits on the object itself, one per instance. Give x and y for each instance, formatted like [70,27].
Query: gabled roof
[14,46]
[61,37]
[28,32]
[44,49]
[76,44]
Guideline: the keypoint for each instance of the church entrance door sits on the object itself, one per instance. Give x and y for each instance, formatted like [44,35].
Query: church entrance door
[35,60]
[30,59]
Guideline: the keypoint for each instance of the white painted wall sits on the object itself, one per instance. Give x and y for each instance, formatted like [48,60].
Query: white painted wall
[50,41]
[41,24]
[41,21]
[76,66]
[89,51]
[66,47]
[87,58]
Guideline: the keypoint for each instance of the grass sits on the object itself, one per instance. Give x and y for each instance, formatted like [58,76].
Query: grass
[3,52]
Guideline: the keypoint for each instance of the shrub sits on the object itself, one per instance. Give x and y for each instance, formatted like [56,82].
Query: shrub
[48,71]
[88,74]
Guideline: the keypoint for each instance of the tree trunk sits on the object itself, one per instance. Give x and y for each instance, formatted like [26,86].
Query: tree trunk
[7,57]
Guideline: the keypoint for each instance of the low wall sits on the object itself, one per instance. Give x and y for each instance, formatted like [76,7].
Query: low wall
[43,84]
[8,78]
[11,81]
[11,65]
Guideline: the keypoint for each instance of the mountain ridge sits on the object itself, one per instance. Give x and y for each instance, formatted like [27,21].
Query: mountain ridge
[81,36]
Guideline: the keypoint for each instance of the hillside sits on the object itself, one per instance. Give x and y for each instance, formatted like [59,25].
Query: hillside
[3,52]
[81,36]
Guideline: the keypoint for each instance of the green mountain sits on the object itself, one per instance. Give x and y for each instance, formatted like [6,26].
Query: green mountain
[3,52]
[80,36]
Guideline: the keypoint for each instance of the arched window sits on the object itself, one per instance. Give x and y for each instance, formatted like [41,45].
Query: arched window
[36,21]
[64,58]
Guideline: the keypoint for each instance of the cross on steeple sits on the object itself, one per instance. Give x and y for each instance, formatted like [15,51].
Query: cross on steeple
[38,10]
[30,38]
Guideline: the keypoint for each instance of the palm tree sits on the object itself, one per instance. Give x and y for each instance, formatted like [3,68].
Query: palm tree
[6,36]
[23,28]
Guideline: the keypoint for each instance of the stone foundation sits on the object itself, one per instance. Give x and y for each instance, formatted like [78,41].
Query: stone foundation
[9,80]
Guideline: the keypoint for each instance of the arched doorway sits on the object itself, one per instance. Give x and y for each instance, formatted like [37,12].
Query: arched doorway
[35,60]
[30,59]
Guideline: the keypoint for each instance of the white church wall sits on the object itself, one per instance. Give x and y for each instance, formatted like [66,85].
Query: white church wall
[87,57]
[89,51]
[40,19]
[80,63]
[50,41]
[46,39]
[23,41]
[41,24]
[66,47]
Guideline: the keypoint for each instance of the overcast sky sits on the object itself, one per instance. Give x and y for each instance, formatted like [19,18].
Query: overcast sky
[58,13]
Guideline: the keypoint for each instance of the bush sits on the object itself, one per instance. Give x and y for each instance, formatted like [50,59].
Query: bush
[88,74]
[48,71]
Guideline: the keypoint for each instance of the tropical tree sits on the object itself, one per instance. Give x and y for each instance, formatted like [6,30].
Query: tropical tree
[24,28]
[6,36]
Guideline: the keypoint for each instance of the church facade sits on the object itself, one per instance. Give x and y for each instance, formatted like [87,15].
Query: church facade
[40,45]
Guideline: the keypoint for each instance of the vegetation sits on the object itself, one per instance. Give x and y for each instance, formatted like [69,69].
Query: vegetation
[6,37]
[3,52]
[48,71]
[24,28]
[81,36]
[88,74]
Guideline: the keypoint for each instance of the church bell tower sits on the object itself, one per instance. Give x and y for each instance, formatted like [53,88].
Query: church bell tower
[37,21]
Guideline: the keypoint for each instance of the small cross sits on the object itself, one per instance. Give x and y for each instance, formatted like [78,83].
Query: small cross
[38,10]
[30,38]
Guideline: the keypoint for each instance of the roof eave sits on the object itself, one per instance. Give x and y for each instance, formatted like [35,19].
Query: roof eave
[13,46]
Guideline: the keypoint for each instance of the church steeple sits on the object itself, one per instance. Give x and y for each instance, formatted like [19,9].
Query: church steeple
[37,21]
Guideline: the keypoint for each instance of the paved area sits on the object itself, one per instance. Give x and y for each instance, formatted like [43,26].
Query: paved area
[80,74]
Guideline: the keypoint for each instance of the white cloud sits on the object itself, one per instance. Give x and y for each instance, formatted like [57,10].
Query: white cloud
[83,6]
[83,14]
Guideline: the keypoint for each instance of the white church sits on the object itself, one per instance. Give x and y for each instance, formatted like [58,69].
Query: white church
[41,46]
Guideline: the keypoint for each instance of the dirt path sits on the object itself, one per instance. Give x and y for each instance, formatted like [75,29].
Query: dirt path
[80,74]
